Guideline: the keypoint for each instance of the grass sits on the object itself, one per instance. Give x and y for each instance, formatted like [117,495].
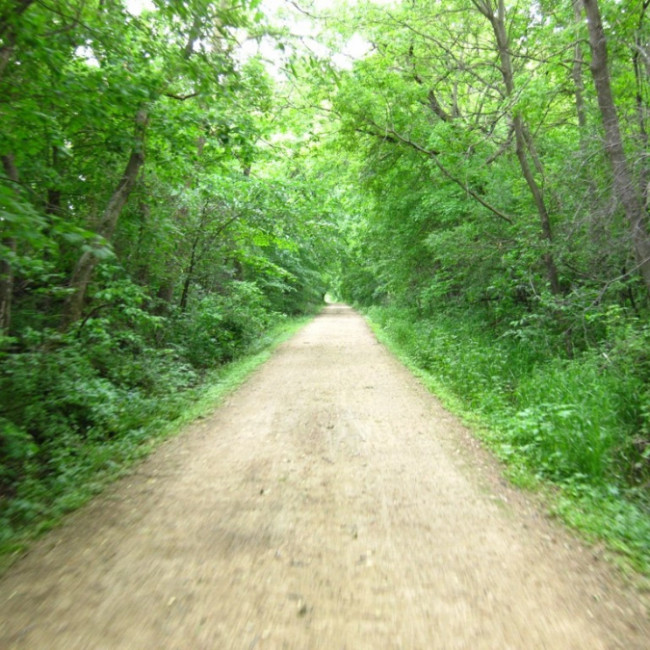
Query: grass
[560,426]
[97,466]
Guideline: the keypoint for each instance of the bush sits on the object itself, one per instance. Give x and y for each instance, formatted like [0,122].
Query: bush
[583,419]
[582,423]
[75,405]
[220,327]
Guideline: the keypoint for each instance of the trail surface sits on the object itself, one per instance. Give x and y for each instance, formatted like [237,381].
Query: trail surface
[329,504]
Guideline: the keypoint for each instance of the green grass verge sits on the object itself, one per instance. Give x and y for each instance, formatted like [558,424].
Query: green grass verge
[602,514]
[96,466]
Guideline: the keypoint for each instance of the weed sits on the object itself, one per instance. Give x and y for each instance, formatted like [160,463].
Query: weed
[577,423]
[68,468]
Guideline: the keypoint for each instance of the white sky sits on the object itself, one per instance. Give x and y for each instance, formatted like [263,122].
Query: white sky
[136,7]
[285,13]
[299,25]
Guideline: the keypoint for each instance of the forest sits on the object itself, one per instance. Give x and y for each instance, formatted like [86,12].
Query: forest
[182,177]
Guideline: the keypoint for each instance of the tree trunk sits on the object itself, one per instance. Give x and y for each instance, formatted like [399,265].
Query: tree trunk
[641,105]
[189,274]
[165,294]
[624,185]
[107,224]
[576,73]
[6,269]
[498,22]
[8,30]
[53,201]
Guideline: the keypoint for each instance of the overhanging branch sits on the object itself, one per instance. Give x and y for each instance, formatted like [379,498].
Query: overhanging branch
[181,98]
[393,136]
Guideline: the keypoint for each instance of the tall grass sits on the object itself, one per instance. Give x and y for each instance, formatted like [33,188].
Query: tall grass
[579,423]
[81,463]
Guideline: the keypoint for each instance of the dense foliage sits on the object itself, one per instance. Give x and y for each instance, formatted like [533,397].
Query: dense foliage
[501,234]
[477,178]
[149,230]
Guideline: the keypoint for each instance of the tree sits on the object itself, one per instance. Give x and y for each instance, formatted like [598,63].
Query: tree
[8,251]
[495,12]
[138,165]
[625,187]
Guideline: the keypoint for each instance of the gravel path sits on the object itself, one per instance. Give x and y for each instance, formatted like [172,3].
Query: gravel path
[331,503]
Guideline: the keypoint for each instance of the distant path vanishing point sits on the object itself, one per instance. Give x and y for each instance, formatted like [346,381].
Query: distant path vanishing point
[330,503]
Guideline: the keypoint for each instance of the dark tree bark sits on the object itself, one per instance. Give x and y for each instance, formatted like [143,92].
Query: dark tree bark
[497,18]
[624,185]
[8,29]
[576,73]
[6,269]
[189,273]
[640,75]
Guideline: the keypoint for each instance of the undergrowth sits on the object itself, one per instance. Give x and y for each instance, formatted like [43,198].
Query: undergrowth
[92,430]
[578,425]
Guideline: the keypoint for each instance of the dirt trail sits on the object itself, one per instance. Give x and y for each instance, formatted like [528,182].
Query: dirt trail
[330,503]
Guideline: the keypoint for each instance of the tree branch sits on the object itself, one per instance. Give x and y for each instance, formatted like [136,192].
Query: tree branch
[502,149]
[435,156]
[181,98]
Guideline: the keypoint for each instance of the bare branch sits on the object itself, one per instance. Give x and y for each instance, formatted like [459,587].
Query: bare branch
[180,98]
